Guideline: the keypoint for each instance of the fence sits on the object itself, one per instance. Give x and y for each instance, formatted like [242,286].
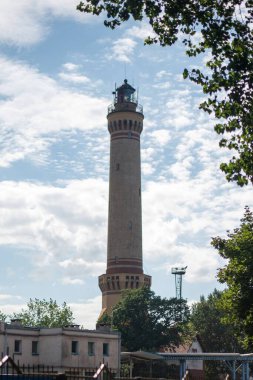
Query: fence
[9,370]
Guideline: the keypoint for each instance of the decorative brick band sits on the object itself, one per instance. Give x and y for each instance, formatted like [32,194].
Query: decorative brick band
[124,265]
[121,260]
[123,269]
[125,135]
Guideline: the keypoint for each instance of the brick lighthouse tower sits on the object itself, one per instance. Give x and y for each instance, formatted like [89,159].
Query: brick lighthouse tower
[124,246]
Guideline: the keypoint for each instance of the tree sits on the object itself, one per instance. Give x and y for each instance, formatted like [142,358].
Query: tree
[223,29]
[206,319]
[237,274]
[147,321]
[45,313]
[3,316]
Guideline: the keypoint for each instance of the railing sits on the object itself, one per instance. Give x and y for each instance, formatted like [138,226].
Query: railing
[116,107]
[9,370]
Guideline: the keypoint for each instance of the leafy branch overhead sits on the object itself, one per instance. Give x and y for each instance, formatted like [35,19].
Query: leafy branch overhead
[222,28]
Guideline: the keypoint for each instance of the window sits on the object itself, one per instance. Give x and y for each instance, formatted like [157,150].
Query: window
[91,348]
[105,349]
[35,345]
[74,347]
[17,346]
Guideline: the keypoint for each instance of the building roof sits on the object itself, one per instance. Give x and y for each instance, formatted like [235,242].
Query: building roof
[125,86]
[142,355]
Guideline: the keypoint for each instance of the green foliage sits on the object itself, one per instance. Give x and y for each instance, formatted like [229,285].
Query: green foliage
[223,29]
[147,321]
[237,274]
[3,317]
[45,313]
[206,318]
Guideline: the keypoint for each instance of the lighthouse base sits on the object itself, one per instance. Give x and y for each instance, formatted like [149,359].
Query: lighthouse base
[112,287]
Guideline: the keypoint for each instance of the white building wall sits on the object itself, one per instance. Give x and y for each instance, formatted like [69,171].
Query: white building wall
[195,347]
[50,347]
[55,346]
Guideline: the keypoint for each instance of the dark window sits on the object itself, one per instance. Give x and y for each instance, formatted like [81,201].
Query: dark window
[35,346]
[91,348]
[18,346]
[74,347]
[117,166]
[106,349]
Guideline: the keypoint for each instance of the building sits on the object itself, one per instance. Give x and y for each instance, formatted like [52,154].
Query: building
[124,246]
[61,348]
[195,367]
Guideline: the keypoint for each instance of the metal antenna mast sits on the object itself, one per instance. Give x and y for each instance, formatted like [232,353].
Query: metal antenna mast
[178,272]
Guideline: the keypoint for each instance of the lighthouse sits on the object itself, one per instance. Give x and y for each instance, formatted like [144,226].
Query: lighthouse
[124,246]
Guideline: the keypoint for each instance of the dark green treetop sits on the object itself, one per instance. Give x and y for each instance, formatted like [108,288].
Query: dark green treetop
[147,321]
[206,318]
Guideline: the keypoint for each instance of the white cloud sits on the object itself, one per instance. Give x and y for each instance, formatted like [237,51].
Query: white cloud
[162,86]
[163,74]
[9,308]
[34,105]
[147,168]
[122,50]
[180,217]
[73,77]
[148,154]
[72,281]
[161,136]
[28,22]
[69,66]
[56,224]
[79,265]
[86,313]
[4,297]
[142,31]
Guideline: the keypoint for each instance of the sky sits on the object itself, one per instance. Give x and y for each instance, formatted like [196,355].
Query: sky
[58,68]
